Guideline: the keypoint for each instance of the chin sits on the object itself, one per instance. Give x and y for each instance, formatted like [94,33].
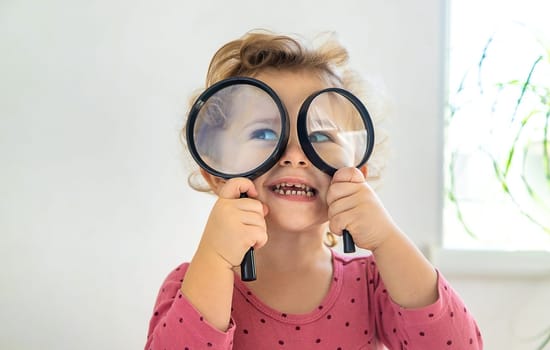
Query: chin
[297,225]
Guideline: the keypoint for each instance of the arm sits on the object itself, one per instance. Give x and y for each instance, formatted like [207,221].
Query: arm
[177,324]
[446,323]
[235,224]
[193,309]
[410,279]
[415,307]
[208,285]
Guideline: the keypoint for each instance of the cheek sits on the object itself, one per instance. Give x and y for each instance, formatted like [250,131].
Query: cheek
[322,195]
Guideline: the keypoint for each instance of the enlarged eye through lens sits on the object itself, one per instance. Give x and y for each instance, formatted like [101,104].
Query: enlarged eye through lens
[318,136]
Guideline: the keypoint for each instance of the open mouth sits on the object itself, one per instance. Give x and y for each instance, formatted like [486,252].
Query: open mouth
[294,189]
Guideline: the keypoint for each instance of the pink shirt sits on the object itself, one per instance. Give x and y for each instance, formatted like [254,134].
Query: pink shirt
[357,313]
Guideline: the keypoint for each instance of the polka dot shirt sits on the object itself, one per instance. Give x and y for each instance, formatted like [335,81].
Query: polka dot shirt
[357,313]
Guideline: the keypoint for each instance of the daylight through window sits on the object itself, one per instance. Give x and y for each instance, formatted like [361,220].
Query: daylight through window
[497,130]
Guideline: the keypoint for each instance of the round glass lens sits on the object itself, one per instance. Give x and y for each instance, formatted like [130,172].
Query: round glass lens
[337,131]
[237,129]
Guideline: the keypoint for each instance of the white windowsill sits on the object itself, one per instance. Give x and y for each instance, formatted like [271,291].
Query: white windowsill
[487,263]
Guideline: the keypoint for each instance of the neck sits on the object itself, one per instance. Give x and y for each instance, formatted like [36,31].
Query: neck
[294,272]
[293,251]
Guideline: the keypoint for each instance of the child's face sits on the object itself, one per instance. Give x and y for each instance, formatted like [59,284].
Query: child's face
[305,204]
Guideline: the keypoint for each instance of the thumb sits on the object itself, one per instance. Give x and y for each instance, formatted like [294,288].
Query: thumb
[348,175]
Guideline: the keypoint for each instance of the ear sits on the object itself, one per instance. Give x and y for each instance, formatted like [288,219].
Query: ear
[214,182]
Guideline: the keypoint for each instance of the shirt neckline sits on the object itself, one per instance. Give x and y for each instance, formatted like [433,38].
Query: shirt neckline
[326,304]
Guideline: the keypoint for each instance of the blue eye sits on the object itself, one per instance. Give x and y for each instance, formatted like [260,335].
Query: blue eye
[317,136]
[264,134]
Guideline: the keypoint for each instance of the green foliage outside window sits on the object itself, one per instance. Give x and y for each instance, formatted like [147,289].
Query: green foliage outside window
[501,109]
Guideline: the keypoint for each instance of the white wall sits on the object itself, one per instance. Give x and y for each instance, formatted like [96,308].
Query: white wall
[94,205]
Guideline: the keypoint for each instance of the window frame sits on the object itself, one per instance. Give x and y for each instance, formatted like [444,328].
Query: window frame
[470,262]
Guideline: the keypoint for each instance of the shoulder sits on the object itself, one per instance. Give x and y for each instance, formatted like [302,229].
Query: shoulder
[353,260]
[356,265]
[177,274]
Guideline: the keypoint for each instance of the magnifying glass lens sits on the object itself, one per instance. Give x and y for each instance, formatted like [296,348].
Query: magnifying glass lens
[237,129]
[337,131]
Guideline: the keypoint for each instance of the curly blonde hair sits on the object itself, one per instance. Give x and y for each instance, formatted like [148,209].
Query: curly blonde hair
[259,50]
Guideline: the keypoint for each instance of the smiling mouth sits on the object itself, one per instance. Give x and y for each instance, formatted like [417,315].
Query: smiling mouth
[288,189]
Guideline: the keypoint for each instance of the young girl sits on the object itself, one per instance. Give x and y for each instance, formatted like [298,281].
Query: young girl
[306,296]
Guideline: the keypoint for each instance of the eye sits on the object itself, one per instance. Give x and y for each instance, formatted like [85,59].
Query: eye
[264,134]
[318,136]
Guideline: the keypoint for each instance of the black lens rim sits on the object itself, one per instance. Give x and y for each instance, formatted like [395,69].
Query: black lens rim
[306,145]
[199,103]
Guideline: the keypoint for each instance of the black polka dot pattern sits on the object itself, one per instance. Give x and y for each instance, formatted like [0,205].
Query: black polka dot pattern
[347,318]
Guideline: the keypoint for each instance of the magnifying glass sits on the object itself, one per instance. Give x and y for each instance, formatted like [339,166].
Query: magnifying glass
[238,127]
[335,130]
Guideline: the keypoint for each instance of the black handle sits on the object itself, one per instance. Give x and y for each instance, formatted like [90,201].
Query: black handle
[248,265]
[349,244]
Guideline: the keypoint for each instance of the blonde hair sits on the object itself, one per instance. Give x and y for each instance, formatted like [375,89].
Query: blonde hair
[260,50]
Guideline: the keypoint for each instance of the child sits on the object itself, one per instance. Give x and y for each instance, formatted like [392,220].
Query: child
[306,296]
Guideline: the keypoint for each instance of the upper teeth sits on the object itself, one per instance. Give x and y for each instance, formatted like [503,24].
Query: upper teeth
[300,189]
[286,184]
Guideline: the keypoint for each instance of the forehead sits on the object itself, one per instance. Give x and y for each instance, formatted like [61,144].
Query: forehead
[293,87]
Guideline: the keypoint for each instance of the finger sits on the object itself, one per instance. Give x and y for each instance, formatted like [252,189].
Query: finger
[253,231]
[340,190]
[336,225]
[348,175]
[259,237]
[252,218]
[248,205]
[341,205]
[349,220]
[234,187]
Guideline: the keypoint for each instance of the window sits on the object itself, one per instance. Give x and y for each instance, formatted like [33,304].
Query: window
[497,130]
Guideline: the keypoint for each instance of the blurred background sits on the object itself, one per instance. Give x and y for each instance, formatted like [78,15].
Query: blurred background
[95,209]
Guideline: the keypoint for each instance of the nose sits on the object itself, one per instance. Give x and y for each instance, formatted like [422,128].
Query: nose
[294,155]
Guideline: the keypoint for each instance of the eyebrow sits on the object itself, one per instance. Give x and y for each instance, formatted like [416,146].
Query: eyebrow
[268,121]
[324,123]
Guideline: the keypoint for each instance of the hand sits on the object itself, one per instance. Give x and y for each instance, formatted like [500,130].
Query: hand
[354,206]
[235,224]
